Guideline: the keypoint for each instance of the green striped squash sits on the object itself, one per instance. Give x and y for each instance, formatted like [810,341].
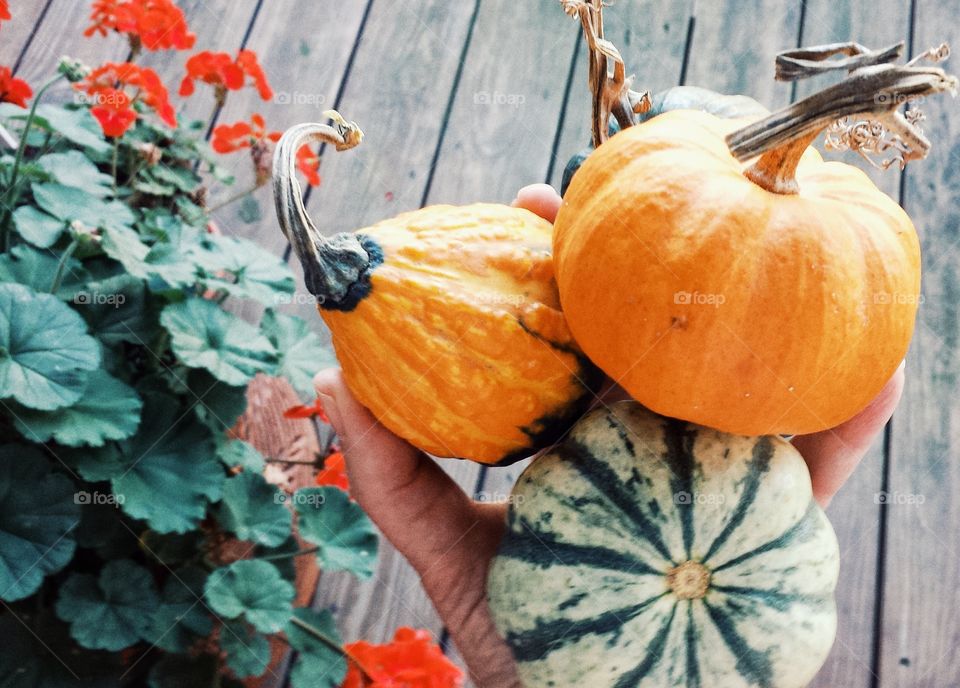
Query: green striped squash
[645,551]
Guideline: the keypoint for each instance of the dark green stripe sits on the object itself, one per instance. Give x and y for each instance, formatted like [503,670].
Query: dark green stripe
[606,481]
[798,533]
[549,636]
[693,666]
[544,550]
[679,438]
[758,465]
[655,651]
[752,664]
[781,601]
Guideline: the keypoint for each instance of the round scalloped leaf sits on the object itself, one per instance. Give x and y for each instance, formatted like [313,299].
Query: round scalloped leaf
[338,526]
[301,351]
[181,618]
[253,590]
[166,474]
[108,410]
[254,510]
[37,518]
[110,611]
[45,352]
[27,266]
[318,665]
[240,454]
[206,336]
[243,269]
[248,652]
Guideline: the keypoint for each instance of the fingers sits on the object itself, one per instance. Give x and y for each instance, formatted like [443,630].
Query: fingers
[541,199]
[416,505]
[832,455]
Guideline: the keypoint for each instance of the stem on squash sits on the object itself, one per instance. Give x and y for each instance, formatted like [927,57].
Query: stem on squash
[612,93]
[331,265]
[874,89]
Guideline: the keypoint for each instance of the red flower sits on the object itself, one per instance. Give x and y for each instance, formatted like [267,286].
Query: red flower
[4,11]
[308,162]
[316,410]
[157,24]
[13,90]
[412,660]
[113,107]
[334,472]
[228,138]
[225,73]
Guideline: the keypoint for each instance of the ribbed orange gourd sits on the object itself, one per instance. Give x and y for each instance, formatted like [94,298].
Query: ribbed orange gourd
[773,298]
[446,320]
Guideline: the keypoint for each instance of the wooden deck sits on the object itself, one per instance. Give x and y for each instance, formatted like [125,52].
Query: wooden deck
[470,99]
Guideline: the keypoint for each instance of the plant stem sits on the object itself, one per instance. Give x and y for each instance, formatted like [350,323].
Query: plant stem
[289,555]
[233,199]
[288,462]
[316,633]
[113,162]
[62,265]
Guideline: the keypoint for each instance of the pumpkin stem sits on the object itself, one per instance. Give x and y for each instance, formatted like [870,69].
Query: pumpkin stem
[331,265]
[612,93]
[873,88]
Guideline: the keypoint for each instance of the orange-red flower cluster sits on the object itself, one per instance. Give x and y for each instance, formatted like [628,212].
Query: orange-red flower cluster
[12,89]
[412,660]
[224,73]
[113,106]
[4,11]
[157,24]
[334,472]
[228,138]
[308,162]
[313,411]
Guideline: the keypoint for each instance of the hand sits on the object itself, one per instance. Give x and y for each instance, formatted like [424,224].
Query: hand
[450,539]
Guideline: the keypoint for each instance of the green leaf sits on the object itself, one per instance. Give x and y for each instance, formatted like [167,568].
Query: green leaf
[248,652]
[162,261]
[346,537]
[166,474]
[249,210]
[240,454]
[77,125]
[302,352]
[35,269]
[218,405]
[37,519]
[318,665]
[205,336]
[253,509]
[104,530]
[73,168]
[180,618]
[253,590]
[37,227]
[253,273]
[45,351]
[69,203]
[112,611]
[182,671]
[117,310]
[108,410]
[181,178]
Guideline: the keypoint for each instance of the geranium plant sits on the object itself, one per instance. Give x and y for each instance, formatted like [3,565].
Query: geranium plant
[140,543]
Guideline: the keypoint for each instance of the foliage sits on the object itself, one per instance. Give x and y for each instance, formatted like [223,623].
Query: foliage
[120,374]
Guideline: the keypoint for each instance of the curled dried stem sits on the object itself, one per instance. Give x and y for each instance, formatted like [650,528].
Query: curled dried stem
[612,92]
[873,87]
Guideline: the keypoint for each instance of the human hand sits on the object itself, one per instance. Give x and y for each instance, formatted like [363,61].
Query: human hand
[450,539]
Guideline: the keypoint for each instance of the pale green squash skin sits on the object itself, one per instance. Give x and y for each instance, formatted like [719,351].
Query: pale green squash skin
[579,588]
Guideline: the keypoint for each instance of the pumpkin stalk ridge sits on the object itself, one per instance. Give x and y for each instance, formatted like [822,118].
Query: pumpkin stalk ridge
[333,267]
[873,91]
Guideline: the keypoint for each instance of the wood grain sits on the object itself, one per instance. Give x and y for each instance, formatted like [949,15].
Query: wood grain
[920,632]
[15,33]
[651,36]
[854,512]
[734,44]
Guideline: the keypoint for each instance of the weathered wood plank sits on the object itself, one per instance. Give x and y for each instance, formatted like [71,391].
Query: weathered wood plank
[854,512]
[920,632]
[651,36]
[399,85]
[15,33]
[734,42]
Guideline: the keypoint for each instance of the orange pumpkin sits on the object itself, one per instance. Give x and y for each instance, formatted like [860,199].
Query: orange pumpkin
[776,301]
[445,320]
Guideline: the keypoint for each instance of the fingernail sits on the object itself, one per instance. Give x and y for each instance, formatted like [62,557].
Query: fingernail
[330,408]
